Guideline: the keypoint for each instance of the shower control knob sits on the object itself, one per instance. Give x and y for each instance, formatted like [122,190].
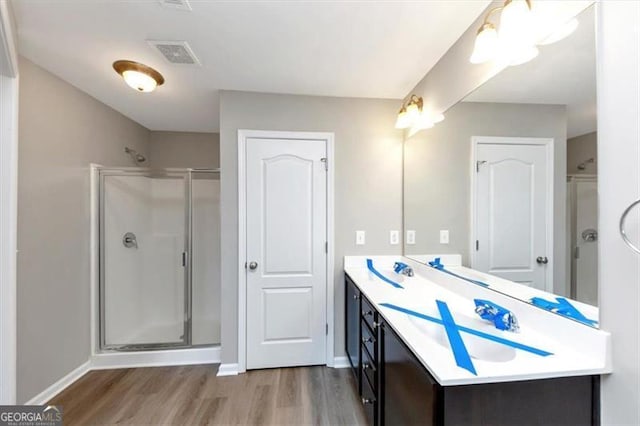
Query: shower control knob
[542,260]
[253,265]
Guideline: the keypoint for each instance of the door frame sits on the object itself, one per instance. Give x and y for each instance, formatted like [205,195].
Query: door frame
[548,143]
[243,135]
[8,204]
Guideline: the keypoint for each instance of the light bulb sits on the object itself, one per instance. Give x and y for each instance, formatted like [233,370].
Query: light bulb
[413,113]
[139,81]
[561,32]
[486,45]
[516,24]
[402,122]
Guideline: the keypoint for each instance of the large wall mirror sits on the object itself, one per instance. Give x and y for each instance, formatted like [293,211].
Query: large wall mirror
[511,176]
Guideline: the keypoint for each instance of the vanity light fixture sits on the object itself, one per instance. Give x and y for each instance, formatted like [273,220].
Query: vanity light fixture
[413,116]
[139,77]
[516,38]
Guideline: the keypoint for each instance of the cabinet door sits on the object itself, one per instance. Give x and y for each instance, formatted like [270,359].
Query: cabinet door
[352,326]
[409,396]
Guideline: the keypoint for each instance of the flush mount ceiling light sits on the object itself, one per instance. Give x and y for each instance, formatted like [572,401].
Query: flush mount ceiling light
[514,42]
[139,77]
[412,116]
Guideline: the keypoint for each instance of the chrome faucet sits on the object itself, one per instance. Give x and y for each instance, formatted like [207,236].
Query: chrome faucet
[403,268]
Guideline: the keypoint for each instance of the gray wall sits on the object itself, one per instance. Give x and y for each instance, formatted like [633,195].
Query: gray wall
[368,175]
[618,47]
[184,149]
[437,166]
[580,149]
[62,130]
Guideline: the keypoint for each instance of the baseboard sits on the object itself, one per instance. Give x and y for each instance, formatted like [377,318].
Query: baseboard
[341,362]
[162,358]
[53,390]
[227,370]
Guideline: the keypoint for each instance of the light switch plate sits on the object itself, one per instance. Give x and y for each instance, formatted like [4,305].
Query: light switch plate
[360,238]
[394,238]
[444,237]
[411,237]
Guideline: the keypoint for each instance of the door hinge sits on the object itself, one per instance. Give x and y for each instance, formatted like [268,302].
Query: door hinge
[326,247]
[326,163]
[478,164]
[326,329]
[477,245]
[184,259]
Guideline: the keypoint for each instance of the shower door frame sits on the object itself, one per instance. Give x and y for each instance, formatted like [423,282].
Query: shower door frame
[187,175]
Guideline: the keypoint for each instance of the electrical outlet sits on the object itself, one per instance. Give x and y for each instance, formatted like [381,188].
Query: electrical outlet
[360,238]
[394,237]
[444,237]
[411,237]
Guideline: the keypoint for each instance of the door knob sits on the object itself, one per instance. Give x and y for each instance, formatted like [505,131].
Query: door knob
[253,265]
[542,260]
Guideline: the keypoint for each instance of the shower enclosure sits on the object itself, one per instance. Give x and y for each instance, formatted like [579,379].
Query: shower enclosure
[582,230]
[159,258]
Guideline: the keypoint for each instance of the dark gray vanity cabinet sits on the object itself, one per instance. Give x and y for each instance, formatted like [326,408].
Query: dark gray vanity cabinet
[396,389]
[352,331]
[411,396]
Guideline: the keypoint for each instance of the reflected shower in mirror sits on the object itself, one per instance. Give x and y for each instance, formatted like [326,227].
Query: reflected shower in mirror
[511,175]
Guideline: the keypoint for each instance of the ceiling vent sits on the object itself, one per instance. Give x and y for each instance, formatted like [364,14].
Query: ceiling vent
[176,52]
[176,4]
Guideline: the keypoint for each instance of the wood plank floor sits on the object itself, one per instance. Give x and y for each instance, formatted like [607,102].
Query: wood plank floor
[193,395]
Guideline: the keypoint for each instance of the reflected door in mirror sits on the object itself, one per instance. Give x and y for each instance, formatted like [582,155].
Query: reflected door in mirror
[511,209]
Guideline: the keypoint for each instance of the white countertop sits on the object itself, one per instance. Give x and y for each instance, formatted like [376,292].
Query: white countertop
[576,349]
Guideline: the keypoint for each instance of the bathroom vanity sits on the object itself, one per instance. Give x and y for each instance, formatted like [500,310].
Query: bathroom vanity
[406,372]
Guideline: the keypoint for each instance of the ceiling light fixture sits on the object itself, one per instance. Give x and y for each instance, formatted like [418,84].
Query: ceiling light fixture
[514,42]
[139,77]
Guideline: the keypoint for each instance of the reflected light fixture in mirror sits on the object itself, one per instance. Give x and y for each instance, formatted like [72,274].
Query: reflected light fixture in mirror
[487,44]
[514,42]
[139,77]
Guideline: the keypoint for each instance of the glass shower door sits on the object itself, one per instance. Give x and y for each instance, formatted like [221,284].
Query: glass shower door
[144,291]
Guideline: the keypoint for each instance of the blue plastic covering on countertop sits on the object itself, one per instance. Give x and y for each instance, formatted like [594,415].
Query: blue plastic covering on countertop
[379,275]
[471,331]
[460,353]
[435,263]
[563,307]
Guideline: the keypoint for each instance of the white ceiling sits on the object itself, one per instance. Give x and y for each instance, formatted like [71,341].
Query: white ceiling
[372,49]
[563,74]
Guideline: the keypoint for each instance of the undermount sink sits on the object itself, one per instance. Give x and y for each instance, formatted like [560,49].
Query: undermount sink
[478,347]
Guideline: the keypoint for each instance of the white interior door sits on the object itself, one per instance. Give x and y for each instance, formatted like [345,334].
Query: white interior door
[286,196]
[511,211]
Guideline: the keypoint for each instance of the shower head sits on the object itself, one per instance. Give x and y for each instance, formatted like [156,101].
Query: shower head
[135,156]
[583,165]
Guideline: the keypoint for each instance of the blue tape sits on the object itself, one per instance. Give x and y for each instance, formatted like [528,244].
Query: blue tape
[502,318]
[471,331]
[435,263]
[398,267]
[563,307]
[379,275]
[460,353]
